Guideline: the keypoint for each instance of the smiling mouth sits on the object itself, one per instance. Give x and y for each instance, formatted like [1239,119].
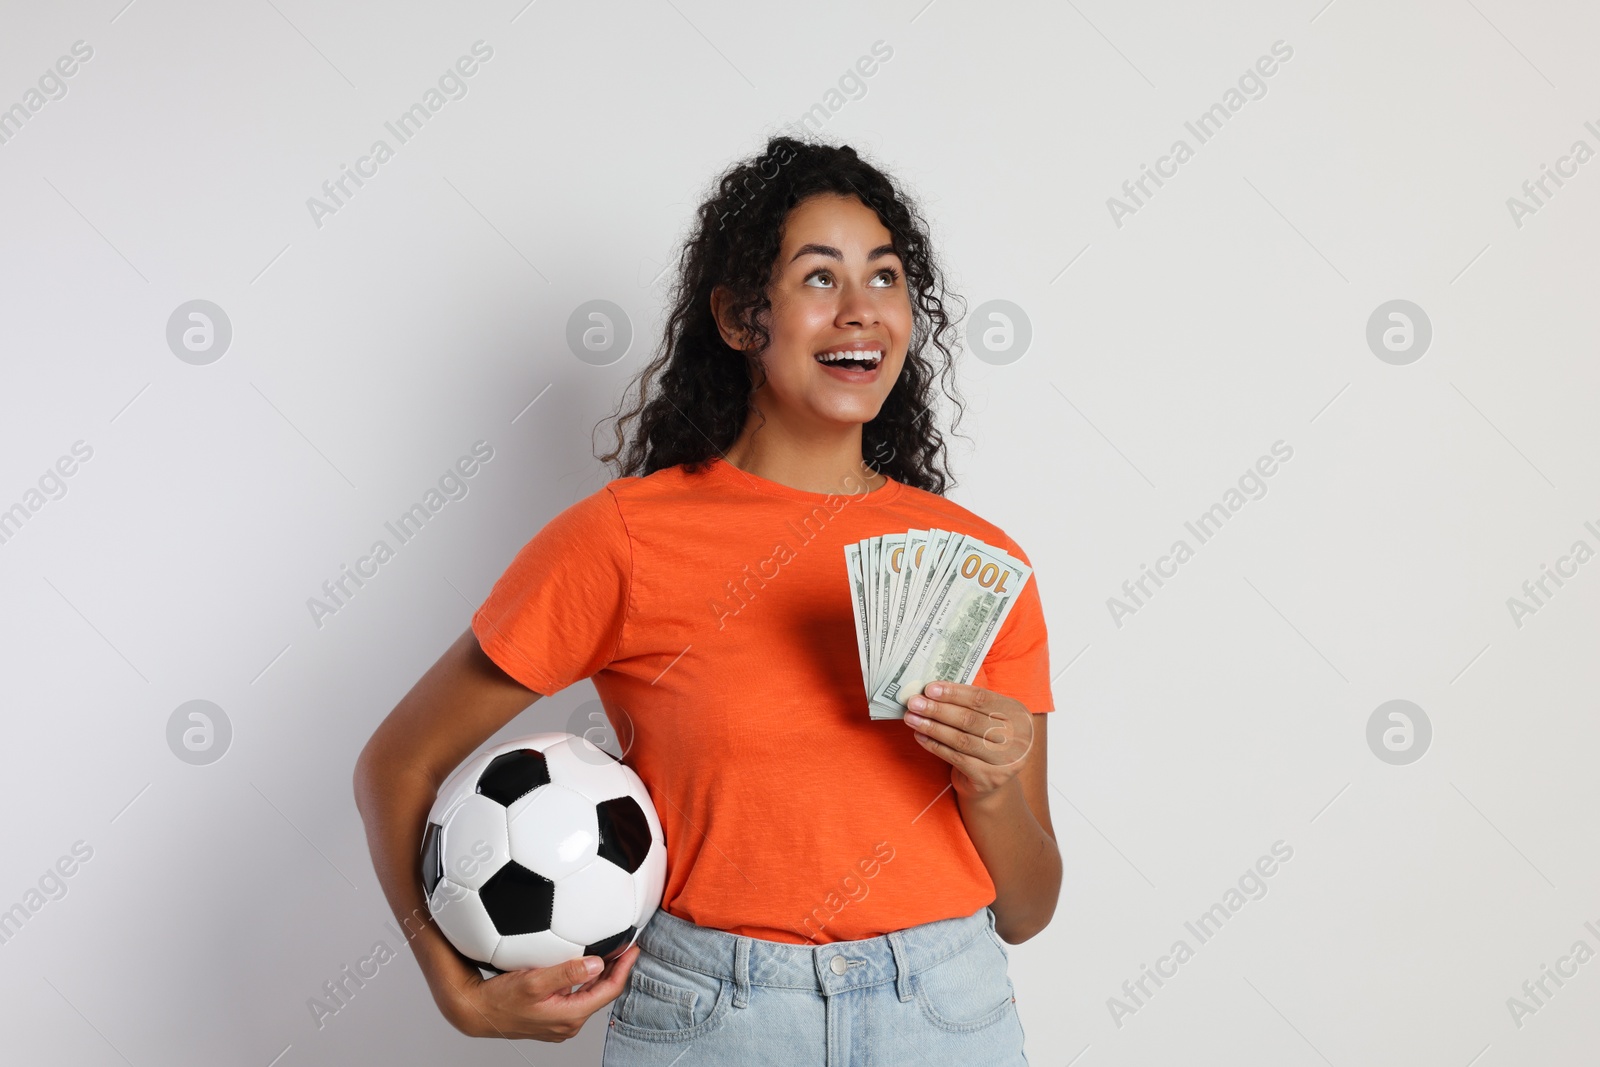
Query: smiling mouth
[866,359]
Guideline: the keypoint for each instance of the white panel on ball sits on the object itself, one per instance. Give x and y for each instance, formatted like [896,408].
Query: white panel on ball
[594,903]
[583,766]
[543,949]
[553,831]
[536,742]
[463,920]
[476,843]
[461,783]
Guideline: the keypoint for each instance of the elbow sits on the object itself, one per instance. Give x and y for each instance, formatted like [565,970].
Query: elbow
[358,781]
[386,770]
[1038,909]
[1026,927]
[364,774]
[1017,934]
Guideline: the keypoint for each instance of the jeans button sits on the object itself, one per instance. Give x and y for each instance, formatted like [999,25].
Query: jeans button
[838,965]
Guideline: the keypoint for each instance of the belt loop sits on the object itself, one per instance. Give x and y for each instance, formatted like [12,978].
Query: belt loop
[741,971]
[902,979]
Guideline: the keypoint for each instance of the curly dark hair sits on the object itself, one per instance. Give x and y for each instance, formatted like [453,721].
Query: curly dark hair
[701,396]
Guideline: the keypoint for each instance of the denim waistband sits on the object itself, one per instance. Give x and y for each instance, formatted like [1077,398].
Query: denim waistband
[746,961]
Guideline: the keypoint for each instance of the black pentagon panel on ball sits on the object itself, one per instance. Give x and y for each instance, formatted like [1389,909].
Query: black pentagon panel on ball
[624,832]
[512,775]
[610,947]
[518,900]
[432,862]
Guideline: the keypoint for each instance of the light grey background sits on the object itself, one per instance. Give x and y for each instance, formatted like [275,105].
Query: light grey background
[1167,354]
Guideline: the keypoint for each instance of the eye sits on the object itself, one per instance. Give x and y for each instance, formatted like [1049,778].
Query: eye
[890,273]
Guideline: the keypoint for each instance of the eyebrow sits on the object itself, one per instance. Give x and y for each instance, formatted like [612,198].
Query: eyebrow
[834,253]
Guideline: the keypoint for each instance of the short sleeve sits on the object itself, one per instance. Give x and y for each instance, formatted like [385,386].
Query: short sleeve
[556,615]
[1018,663]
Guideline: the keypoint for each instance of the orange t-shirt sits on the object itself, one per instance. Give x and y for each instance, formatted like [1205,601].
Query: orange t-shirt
[713,612]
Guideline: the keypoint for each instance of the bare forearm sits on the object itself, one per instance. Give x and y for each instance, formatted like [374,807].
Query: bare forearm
[394,805]
[1022,860]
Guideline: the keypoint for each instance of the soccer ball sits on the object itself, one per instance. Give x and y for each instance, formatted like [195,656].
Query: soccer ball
[541,850]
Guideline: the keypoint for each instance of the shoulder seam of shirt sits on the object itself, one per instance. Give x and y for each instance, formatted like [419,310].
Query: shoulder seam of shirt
[627,603]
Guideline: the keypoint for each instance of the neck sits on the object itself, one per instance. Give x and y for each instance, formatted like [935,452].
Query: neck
[819,462]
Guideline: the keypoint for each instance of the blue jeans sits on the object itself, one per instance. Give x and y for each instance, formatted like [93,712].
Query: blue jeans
[934,995]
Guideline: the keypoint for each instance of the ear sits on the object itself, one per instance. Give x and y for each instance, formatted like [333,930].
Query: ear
[734,334]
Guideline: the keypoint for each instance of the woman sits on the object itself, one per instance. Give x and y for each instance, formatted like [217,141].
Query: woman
[836,886]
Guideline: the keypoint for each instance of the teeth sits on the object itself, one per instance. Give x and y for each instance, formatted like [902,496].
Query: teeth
[868,355]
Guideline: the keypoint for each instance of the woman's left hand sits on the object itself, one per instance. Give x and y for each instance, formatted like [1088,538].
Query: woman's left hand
[983,735]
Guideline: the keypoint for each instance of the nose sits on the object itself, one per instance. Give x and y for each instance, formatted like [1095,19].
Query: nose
[856,308]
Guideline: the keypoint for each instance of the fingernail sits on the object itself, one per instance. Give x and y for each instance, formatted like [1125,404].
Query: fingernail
[593,964]
[935,690]
[915,720]
[916,703]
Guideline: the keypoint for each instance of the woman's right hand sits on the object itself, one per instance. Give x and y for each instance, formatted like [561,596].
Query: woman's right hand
[535,1003]
[457,705]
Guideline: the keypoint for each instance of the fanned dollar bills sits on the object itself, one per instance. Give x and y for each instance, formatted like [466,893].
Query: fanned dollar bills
[928,604]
